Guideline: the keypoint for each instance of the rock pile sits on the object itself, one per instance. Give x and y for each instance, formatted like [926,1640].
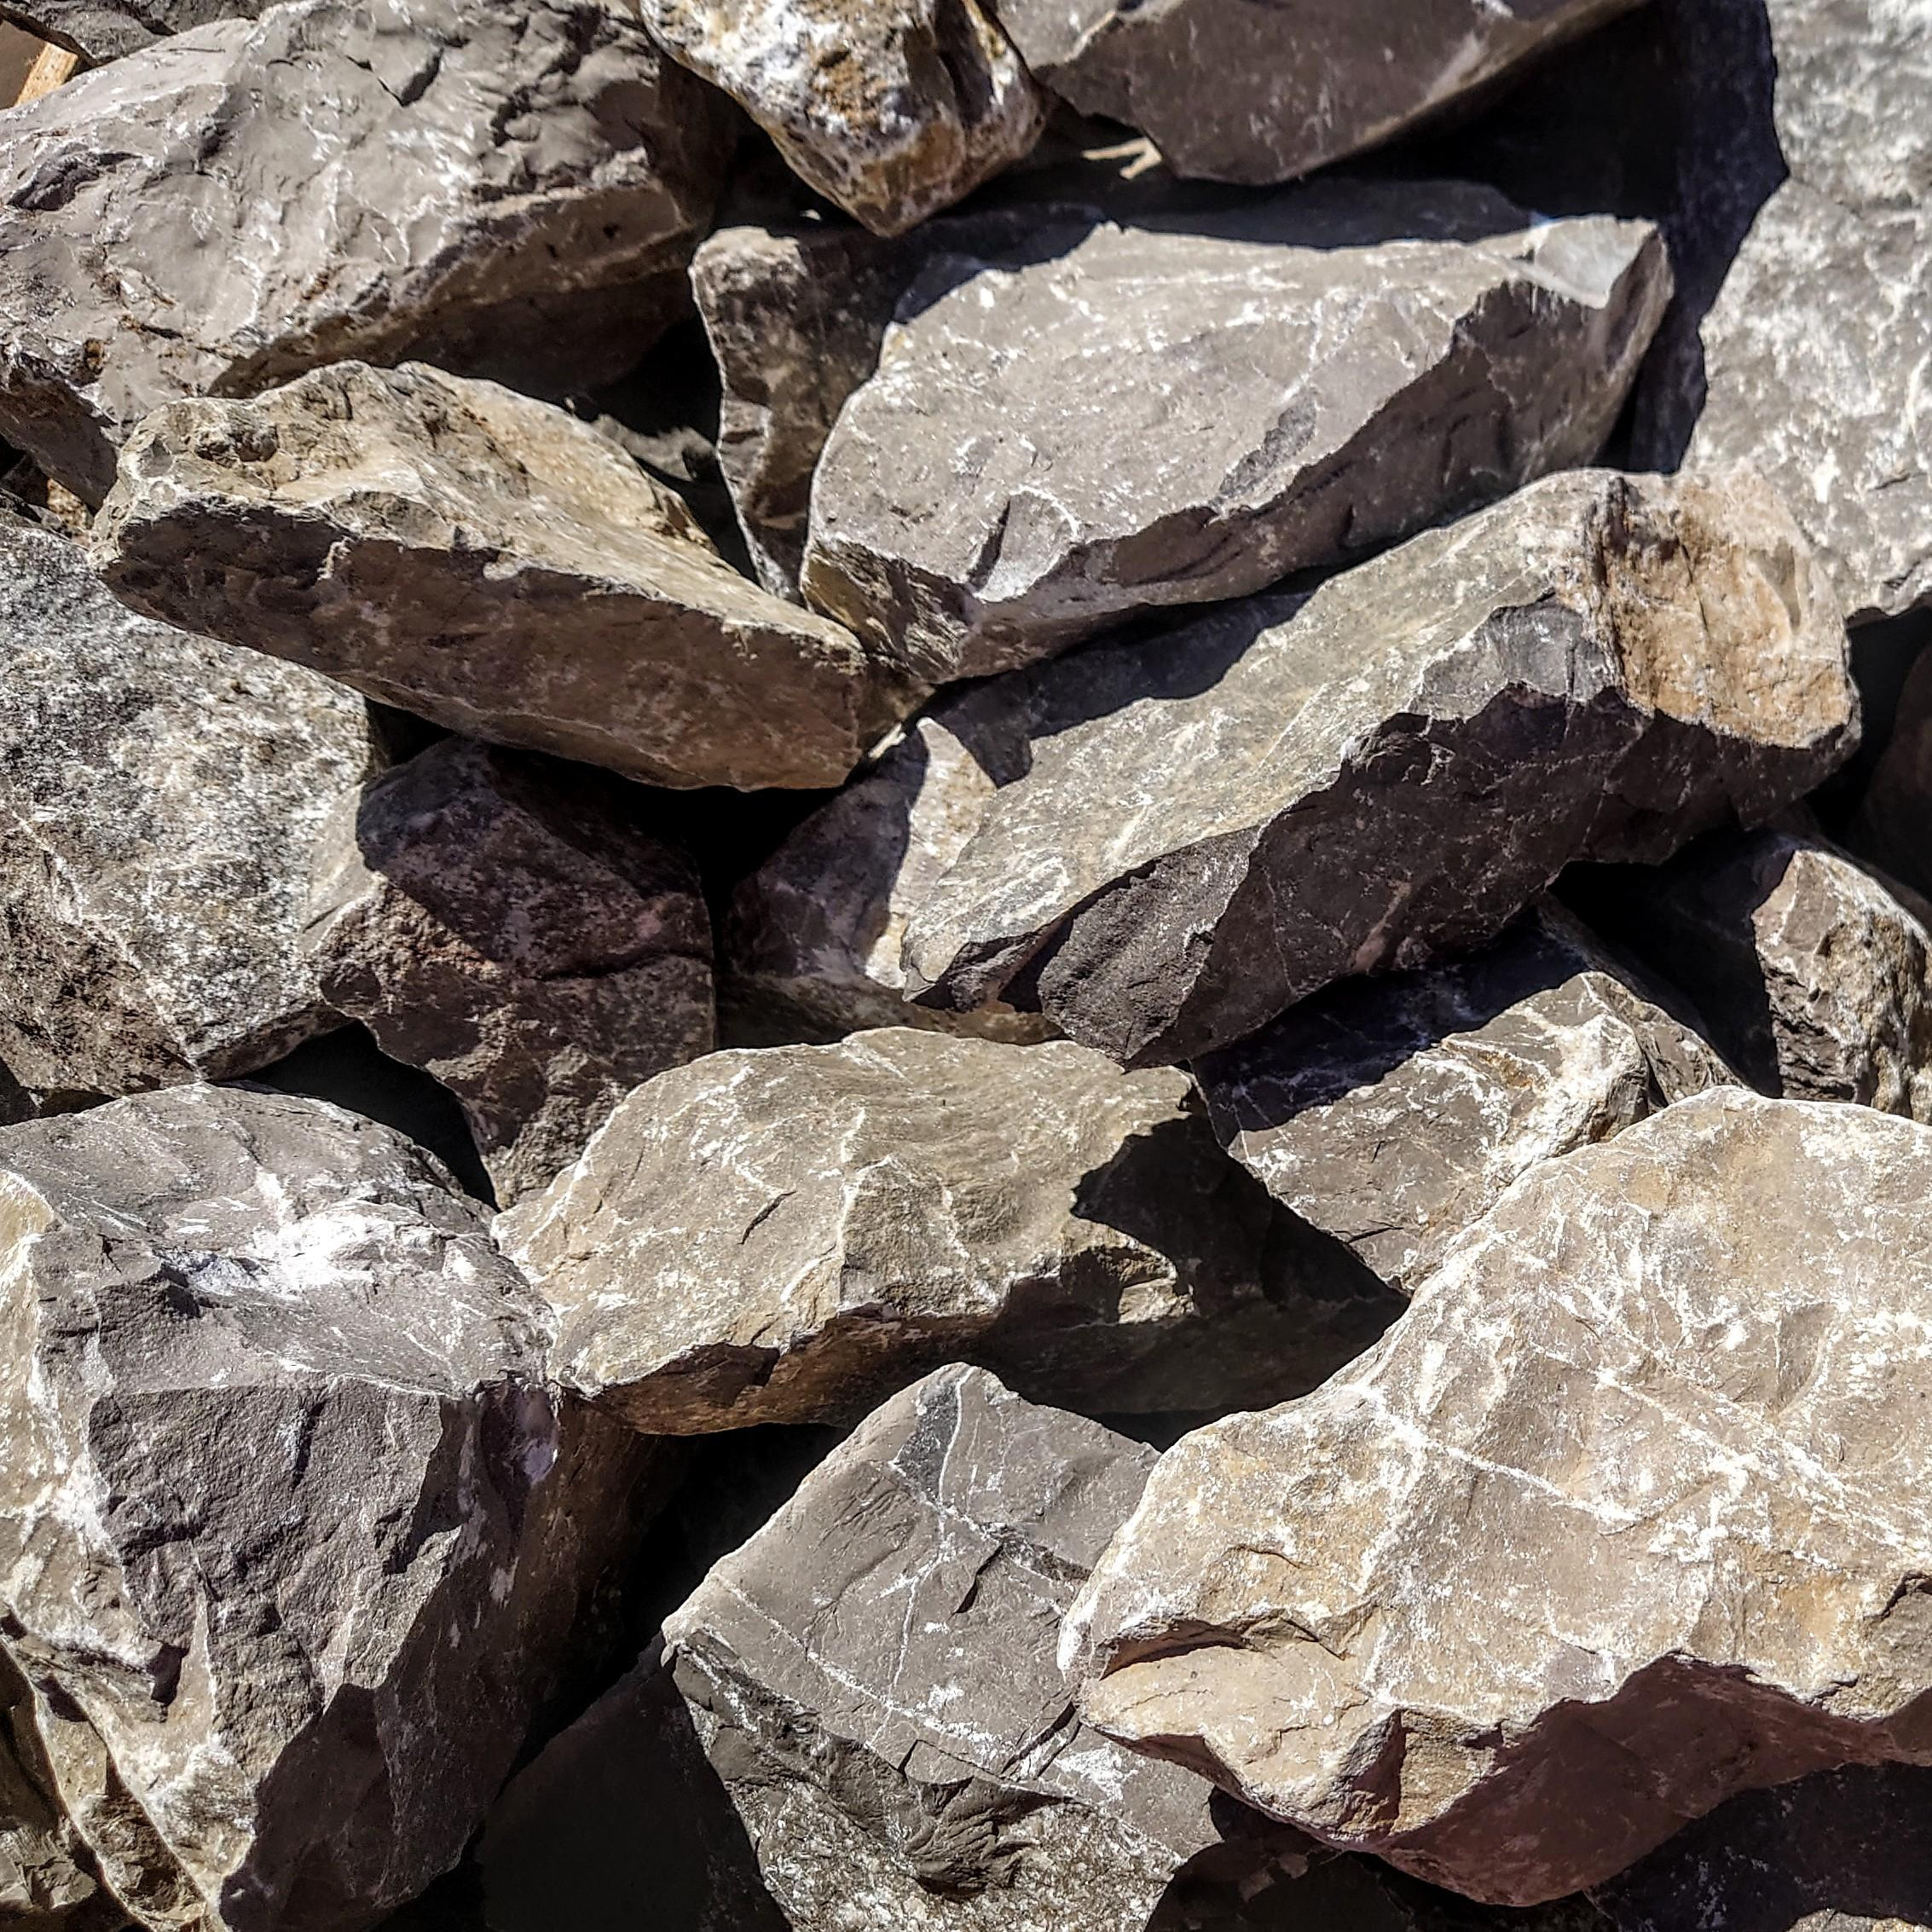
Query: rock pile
[1143,790]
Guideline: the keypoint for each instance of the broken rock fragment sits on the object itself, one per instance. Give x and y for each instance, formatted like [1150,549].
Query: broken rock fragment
[105,30]
[492,564]
[507,923]
[1219,823]
[1619,1520]
[1191,409]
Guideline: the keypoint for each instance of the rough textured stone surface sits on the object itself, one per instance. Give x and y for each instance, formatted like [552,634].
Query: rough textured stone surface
[541,173]
[1239,92]
[1216,825]
[1814,977]
[783,1235]
[1893,817]
[1393,1113]
[491,563]
[162,797]
[1190,410]
[1625,1515]
[105,30]
[911,1757]
[507,924]
[290,1532]
[892,108]
[47,1880]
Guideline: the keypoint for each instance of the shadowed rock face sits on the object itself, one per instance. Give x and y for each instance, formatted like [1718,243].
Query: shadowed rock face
[1189,410]
[1619,1520]
[1217,823]
[1890,826]
[542,171]
[105,30]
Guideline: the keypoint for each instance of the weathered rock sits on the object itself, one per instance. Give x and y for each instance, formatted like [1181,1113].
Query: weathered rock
[1814,977]
[1893,817]
[492,564]
[162,797]
[46,1878]
[508,924]
[913,1758]
[892,108]
[1623,1517]
[290,1532]
[1280,795]
[784,1235]
[1245,93]
[1188,411]
[105,30]
[1393,1113]
[542,173]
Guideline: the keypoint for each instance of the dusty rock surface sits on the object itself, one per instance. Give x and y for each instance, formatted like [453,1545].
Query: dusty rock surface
[105,30]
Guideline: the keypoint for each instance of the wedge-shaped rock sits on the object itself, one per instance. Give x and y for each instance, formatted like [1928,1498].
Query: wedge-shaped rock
[893,109]
[105,30]
[47,1880]
[291,1533]
[512,191]
[162,797]
[507,923]
[1393,1113]
[1219,823]
[1173,414]
[492,564]
[1814,976]
[1620,1518]
[1892,818]
[784,1236]
[1238,92]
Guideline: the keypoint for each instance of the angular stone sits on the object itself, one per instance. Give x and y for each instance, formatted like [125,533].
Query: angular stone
[1189,410]
[105,30]
[292,1534]
[1394,1112]
[892,108]
[510,926]
[1622,1518]
[1814,977]
[1244,92]
[784,1235]
[47,1880]
[492,564]
[1217,824]
[1892,818]
[542,170]
[163,797]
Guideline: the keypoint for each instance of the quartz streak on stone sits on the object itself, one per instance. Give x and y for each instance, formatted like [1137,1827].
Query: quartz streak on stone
[512,191]
[892,108]
[489,562]
[1393,1113]
[1239,92]
[105,30]
[1283,793]
[779,1235]
[1627,1513]
[505,923]
[1181,414]
[162,798]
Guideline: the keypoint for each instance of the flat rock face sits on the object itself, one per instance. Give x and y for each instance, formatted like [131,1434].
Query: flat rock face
[1393,1113]
[162,797]
[491,563]
[892,108]
[1890,826]
[283,1558]
[784,1236]
[542,173]
[1238,92]
[105,30]
[1647,1416]
[1219,823]
[505,923]
[873,1674]
[1179,414]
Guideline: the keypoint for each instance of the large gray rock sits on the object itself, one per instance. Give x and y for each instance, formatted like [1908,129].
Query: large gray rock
[1190,410]
[541,173]
[163,797]
[1394,1112]
[784,1235]
[1890,826]
[105,30]
[489,562]
[894,109]
[509,925]
[1239,92]
[1623,1517]
[1214,824]
[292,1534]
